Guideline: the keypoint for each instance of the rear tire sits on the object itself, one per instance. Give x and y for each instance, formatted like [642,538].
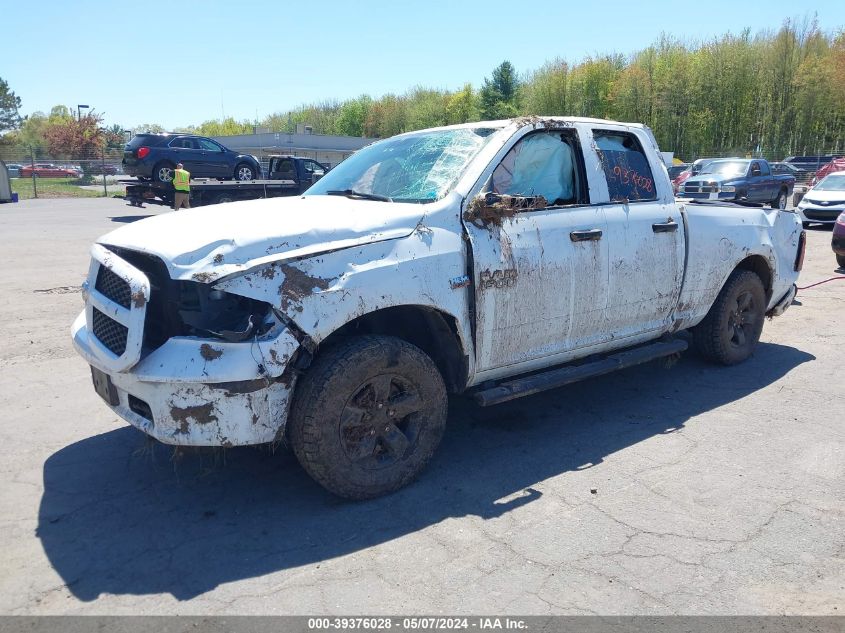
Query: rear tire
[731,329]
[367,416]
[163,172]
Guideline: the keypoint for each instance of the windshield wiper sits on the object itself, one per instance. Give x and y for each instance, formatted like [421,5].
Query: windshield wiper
[351,193]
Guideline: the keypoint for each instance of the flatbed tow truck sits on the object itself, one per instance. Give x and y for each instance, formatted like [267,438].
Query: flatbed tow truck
[289,176]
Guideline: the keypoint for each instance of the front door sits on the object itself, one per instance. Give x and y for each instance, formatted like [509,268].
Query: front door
[540,255]
[214,159]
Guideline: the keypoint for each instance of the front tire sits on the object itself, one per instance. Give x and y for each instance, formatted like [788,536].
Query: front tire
[731,329]
[840,259]
[367,416]
[780,201]
[244,172]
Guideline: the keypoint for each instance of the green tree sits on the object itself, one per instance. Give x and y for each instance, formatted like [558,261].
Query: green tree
[426,108]
[499,93]
[387,116]
[352,116]
[149,128]
[224,127]
[462,106]
[9,106]
[114,136]
[30,134]
[545,90]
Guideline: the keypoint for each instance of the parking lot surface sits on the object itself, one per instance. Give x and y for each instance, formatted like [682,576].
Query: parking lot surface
[692,489]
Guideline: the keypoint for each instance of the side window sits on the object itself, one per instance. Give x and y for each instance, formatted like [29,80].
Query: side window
[285,164]
[311,166]
[542,165]
[209,145]
[183,143]
[629,177]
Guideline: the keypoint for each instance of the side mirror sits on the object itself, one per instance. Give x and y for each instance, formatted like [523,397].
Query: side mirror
[492,208]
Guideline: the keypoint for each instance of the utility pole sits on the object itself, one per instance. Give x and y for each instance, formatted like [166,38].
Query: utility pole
[105,189]
[32,164]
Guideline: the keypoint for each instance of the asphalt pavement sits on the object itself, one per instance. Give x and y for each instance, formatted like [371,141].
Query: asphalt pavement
[693,489]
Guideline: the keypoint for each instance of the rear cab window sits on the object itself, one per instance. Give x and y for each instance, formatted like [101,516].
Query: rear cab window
[149,140]
[625,165]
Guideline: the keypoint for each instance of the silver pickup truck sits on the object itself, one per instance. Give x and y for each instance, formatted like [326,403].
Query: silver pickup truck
[484,258]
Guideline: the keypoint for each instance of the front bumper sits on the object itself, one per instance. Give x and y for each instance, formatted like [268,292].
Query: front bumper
[195,392]
[818,213]
[781,306]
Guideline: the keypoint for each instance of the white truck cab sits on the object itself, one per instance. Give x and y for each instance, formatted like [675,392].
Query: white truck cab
[481,258]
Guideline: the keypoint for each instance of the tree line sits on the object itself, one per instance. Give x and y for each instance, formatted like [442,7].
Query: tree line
[773,93]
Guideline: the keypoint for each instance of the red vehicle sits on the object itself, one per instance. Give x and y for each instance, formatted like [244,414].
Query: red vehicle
[837,164]
[48,170]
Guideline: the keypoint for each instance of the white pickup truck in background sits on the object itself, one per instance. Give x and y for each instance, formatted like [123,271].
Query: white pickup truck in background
[497,259]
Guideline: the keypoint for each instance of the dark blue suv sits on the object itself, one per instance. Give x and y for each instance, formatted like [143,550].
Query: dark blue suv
[155,156]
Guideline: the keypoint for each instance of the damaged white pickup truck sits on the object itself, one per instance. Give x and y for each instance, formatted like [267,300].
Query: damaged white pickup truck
[498,259]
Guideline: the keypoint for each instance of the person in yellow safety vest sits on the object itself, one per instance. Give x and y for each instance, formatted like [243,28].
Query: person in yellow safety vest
[182,188]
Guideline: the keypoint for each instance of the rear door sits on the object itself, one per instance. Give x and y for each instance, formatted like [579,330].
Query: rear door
[541,262]
[645,235]
[185,150]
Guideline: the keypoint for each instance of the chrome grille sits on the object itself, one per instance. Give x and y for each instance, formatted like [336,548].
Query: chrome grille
[826,203]
[110,333]
[701,187]
[113,287]
[821,214]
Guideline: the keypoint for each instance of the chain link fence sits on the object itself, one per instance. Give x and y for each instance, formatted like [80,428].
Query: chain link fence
[62,172]
[102,168]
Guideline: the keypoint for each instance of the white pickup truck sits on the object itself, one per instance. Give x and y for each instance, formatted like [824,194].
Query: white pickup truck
[496,259]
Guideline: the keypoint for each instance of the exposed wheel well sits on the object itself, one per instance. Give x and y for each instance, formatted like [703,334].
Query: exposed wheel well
[434,332]
[759,265]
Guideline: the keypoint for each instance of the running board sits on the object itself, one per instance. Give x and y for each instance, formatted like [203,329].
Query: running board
[560,376]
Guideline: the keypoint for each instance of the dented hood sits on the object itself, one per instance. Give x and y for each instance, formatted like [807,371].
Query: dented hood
[208,243]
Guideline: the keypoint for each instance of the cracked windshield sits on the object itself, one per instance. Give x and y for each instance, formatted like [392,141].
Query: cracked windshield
[413,168]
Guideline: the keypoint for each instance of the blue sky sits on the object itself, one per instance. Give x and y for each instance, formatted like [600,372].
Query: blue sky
[181,63]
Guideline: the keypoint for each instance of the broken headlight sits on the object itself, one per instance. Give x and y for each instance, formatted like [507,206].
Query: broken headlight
[206,311]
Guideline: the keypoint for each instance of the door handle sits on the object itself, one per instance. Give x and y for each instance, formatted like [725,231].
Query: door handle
[585,236]
[664,227]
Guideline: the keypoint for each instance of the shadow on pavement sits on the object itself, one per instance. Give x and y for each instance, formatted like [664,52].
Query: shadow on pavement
[129,218]
[120,518]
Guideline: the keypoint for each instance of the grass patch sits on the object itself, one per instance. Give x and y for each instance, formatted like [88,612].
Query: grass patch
[52,188]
